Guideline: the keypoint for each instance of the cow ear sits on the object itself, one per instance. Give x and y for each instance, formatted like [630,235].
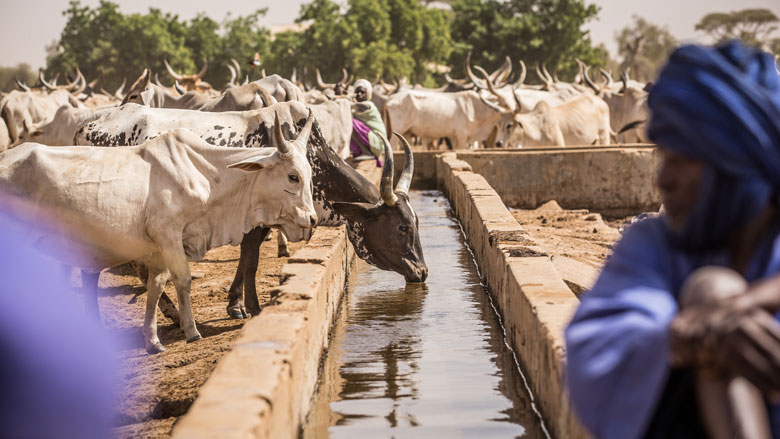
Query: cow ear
[256,163]
[353,211]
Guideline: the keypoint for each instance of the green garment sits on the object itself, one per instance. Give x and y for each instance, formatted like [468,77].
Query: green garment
[373,120]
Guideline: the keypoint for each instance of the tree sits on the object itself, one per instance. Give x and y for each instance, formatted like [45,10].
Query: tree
[752,26]
[125,44]
[644,48]
[535,31]
[393,39]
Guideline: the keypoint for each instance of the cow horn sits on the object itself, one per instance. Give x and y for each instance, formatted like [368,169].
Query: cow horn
[547,74]
[266,97]
[321,83]
[81,82]
[294,76]
[345,75]
[517,100]
[118,92]
[246,80]
[406,175]
[43,81]
[502,102]
[541,76]
[157,80]
[281,145]
[173,74]
[503,72]
[589,81]
[233,75]
[579,79]
[523,72]
[178,88]
[477,82]
[94,83]
[237,66]
[386,184]
[303,137]
[262,73]
[607,77]
[203,69]
[22,86]
[624,80]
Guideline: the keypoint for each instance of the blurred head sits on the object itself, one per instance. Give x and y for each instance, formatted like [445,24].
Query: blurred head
[714,113]
[678,182]
[362,90]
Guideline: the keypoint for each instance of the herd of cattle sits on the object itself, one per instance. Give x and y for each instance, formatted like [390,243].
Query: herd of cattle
[181,186]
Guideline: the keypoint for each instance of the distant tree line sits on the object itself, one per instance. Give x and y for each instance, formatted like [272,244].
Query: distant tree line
[371,38]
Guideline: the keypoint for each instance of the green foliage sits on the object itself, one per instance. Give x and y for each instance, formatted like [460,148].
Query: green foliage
[392,38]
[126,44]
[644,48]
[753,26]
[535,31]
[21,71]
[387,38]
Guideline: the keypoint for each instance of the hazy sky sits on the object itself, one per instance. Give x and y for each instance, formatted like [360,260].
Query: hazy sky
[27,26]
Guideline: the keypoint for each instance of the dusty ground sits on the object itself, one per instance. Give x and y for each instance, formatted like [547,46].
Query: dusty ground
[577,234]
[158,389]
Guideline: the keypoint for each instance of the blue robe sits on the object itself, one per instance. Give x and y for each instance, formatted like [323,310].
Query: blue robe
[617,348]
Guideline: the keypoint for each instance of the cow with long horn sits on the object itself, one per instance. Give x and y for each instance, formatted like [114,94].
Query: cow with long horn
[191,82]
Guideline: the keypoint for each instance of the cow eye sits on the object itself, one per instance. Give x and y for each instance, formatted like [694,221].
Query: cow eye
[293,178]
[403,228]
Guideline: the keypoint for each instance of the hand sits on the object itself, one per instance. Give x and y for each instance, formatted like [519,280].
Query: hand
[729,340]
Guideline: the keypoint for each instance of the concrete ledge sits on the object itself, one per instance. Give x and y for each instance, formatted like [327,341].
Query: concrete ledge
[262,388]
[534,302]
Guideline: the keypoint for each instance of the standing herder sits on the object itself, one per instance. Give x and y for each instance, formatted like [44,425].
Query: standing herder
[368,129]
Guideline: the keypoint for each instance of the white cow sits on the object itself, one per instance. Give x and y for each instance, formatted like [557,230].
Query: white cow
[60,129]
[21,110]
[172,198]
[463,116]
[580,121]
[335,120]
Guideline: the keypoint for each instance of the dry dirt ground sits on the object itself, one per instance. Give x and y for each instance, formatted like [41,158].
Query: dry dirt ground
[157,390]
[578,234]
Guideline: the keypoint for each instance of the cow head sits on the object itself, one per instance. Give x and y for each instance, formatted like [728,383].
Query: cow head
[285,192]
[142,90]
[191,82]
[386,234]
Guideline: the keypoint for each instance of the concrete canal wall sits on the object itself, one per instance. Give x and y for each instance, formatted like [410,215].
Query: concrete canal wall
[534,302]
[608,180]
[263,387]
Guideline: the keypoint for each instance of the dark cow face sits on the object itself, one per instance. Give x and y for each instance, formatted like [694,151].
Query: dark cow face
[340,89]
[380,233]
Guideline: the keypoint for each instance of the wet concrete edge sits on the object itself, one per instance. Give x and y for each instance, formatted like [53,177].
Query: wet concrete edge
[263,387]
[534,302]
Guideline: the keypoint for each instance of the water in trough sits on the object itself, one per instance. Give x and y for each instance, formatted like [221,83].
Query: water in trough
[421,360]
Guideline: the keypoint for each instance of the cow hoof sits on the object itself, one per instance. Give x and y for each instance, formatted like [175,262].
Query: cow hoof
[196,338]
[237,312]
[155,349]
[283,253]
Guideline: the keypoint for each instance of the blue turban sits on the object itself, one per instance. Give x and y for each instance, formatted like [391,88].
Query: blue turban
[721,105]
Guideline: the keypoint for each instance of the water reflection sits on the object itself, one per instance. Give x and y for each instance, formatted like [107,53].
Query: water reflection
[421,360]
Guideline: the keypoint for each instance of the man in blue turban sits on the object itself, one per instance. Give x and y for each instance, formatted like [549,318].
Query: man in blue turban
[640,350]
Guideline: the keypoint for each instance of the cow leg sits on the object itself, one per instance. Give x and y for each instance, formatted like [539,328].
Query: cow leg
[283,248]
[252,256]
[89,286]
[177,264]
[158,277]
[235,308]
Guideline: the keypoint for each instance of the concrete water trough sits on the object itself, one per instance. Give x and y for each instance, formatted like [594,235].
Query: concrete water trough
[264,386]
